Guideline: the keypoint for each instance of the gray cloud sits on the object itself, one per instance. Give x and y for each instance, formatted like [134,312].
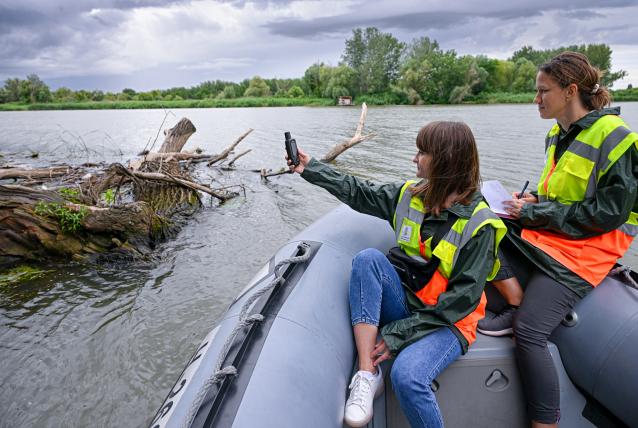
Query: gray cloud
[437,19]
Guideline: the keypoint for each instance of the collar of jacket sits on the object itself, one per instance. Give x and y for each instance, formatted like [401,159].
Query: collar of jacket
[461,211]
[591,117]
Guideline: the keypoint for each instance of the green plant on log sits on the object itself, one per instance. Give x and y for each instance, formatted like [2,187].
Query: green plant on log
[109,196]
[70,220]
[69,194]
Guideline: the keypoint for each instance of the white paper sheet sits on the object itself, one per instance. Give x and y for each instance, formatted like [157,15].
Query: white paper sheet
[495,194]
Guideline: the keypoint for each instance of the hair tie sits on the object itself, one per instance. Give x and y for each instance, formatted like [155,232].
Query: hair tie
[595,90]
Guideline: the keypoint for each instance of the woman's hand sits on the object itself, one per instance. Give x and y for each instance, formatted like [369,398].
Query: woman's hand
[380,353]
[514,206]
[303,161]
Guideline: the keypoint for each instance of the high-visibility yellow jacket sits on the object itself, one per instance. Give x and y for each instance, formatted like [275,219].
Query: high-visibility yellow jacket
[574,178]
[409,216]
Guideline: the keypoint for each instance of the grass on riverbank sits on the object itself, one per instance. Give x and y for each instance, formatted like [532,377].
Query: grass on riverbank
[206,103]
[373,99]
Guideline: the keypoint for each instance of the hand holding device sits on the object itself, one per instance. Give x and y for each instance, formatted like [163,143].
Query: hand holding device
[291,149]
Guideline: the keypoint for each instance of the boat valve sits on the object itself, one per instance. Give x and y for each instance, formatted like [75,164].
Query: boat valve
[571,319]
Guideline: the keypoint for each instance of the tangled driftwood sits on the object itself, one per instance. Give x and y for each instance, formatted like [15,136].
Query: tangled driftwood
[82,211]
[95,209]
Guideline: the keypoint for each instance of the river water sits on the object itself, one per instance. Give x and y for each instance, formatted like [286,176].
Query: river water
[102,345]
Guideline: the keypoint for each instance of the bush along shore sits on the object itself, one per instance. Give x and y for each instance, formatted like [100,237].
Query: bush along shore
[173,104]
[372,99]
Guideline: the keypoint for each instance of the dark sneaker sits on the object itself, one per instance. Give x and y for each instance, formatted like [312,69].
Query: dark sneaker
[500,325]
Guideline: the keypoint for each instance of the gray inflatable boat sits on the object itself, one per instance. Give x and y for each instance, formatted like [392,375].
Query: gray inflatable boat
[283,354]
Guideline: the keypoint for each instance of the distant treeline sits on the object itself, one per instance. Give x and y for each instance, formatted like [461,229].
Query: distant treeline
[375,66]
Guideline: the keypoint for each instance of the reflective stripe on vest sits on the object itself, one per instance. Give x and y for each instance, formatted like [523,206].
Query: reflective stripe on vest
[575,178]
[408,217]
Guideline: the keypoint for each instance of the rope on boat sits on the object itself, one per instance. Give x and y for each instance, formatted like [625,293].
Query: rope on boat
[625,273]
[245,320]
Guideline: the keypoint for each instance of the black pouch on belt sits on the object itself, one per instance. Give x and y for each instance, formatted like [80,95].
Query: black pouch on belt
[413,273]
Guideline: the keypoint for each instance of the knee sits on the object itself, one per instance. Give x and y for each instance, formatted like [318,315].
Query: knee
[400,377]
[367,257]
[407,379]
[525,330]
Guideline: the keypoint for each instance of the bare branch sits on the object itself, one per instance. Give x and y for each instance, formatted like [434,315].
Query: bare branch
[229,149]
[265,174]
[356,139]
[238,156]
[170,179]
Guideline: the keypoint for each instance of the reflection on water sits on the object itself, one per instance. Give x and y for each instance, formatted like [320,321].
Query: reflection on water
[100,345]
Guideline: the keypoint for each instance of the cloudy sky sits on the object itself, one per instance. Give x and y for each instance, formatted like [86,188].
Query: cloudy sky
[149,44]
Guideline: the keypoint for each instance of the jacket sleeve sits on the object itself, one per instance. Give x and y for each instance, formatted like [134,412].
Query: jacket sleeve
[361,195]
[461,298]
[609,208]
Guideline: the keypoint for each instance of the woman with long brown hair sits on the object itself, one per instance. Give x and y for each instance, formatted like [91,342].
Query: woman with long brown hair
[580,221]
[426,295]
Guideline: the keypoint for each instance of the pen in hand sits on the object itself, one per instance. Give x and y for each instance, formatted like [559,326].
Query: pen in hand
[520,195]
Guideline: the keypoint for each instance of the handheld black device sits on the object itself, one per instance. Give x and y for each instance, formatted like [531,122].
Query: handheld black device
[291,149]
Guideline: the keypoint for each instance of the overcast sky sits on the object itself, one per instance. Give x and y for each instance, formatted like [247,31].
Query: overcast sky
[156,44]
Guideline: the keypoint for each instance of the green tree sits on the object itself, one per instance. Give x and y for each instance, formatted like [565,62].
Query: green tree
[312,78]
[62,94]
[295,92]
[504,74]
[433,74]
[375,58]
[340,82]
[97,95]
[12,87]
[144,96]
[257,88]
[228,92]
[82,95]
[474,77]
[524,76]
[33,90]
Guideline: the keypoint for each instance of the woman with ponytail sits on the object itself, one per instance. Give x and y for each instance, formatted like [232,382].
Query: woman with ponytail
[574,228]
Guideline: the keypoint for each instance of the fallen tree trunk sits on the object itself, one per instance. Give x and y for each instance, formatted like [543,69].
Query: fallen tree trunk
[36,224]
[29,174]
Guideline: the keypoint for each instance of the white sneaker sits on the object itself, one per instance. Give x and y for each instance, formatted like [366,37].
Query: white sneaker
[364,387]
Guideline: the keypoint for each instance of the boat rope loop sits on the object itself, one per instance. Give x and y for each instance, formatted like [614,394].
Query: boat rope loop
[244,321]
[625,273]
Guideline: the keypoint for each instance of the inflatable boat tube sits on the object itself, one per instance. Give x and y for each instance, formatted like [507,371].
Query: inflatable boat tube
[283,354]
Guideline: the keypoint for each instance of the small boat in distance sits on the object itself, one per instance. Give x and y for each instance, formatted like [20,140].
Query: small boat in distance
[283,354]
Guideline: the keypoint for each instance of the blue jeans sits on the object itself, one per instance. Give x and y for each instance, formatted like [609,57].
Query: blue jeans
[378,298]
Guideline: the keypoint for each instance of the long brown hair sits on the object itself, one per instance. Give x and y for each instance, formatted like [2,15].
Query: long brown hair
[454,167]
[573,67]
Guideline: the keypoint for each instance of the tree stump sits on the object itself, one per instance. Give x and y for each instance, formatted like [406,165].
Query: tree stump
[177,136]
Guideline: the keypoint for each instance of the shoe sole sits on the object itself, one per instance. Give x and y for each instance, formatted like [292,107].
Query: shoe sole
[497,333]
